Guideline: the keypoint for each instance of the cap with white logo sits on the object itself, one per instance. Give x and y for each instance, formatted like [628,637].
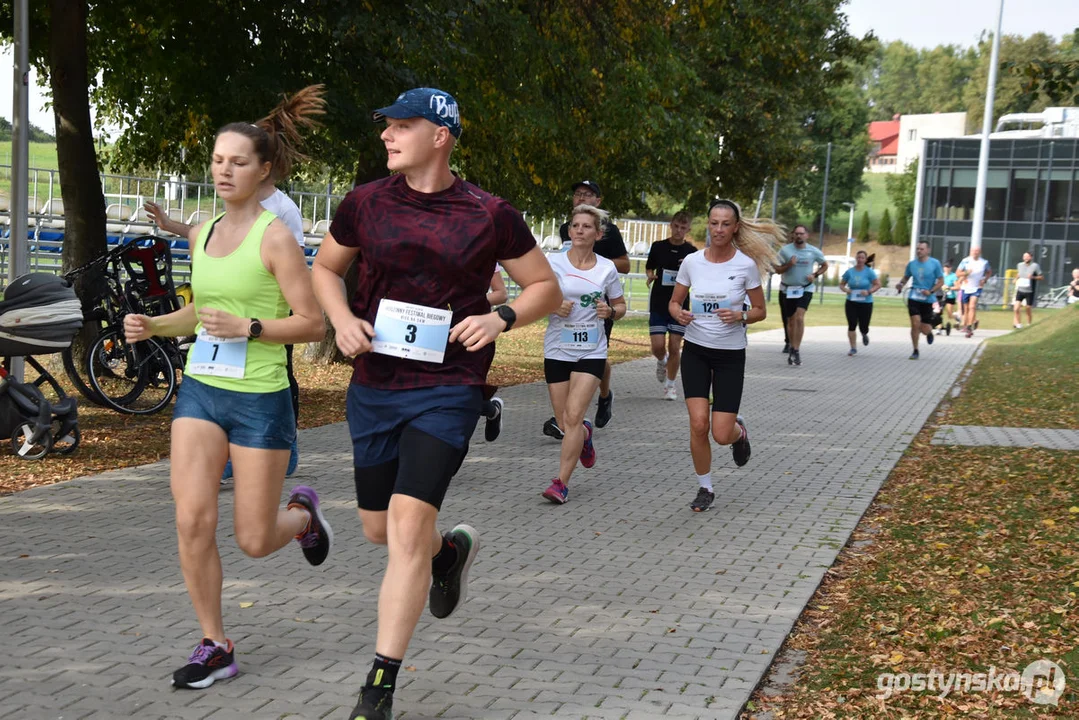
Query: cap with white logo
[428,103]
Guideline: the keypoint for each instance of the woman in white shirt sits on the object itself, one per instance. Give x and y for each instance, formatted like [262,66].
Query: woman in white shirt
[575,346]
[723,283]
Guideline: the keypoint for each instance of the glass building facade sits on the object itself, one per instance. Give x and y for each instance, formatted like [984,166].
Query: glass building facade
[1031,202]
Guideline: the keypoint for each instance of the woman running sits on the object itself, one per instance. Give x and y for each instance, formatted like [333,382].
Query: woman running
[247,272]
[723,283]
[859,283]
[575,346]
[664,259]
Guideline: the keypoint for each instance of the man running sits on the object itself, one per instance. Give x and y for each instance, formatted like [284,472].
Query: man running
[974,270]
[795,289]
[1026,287]
[612,247]
[422,332]
[927,276]
[664,260]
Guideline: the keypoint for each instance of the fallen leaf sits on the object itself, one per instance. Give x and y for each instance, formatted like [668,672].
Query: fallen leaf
[245,605]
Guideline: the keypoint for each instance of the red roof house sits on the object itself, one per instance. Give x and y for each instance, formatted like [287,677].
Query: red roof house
[884,135]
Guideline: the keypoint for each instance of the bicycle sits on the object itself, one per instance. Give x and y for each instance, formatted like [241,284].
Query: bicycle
[139,378]
[1054,296]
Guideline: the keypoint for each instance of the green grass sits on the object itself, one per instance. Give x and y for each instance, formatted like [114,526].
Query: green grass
[1027,378]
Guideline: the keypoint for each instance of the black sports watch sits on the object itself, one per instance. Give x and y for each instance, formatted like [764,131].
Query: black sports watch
[255,329]
[508,316]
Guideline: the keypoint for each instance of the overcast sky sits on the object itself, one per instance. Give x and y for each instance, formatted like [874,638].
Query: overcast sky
[921,23]
[928,23]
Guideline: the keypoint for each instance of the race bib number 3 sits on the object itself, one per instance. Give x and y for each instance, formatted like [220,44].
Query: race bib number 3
[219,357]
[579,336]
[669,276]
[795,291]
[411,331]
[708,303]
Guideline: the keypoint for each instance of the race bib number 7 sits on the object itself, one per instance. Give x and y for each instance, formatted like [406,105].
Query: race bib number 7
[218,357]
[411,331]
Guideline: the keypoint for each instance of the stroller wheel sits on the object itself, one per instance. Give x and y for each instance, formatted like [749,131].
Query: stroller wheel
[23,445]
[66,444]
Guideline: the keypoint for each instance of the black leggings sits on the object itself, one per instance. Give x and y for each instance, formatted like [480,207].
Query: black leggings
[858,315]
[293,386]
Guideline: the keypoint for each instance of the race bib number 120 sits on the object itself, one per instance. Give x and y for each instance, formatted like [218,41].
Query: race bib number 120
[411,331]
[708,303]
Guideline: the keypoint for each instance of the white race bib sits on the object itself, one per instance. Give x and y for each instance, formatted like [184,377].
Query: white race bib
[1022,284]
[795,291]
[411,331]
[859,295]
[579,336]
[708,303]
[669,276]
[219,357]
[919,294]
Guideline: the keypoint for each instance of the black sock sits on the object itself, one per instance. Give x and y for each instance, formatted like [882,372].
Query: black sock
[384,673]
[447,556]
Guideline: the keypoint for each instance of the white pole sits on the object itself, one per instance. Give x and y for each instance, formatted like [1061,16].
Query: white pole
[850,232]
[18,262]
[987,127]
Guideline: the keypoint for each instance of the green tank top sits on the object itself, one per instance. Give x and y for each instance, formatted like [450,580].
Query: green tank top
[240,284]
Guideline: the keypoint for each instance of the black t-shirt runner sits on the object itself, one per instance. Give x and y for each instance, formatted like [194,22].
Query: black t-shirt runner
[665,255]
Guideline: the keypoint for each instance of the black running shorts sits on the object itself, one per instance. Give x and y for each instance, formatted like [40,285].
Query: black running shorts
[718,373]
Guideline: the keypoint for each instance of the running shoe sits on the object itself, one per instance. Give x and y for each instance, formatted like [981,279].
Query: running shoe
[603,411]
[913,355]
[786,348]
[661,370]
[1017,326]
[929,338]
[557,493]
[670,393]
[796,357]
[317,538]
[703,501]
[948,329]
[449,589]
[740,448]
[293,459]
[865,338]
[207,664]
[852,352]
[968,332]
[375,703]
[588,450]
[790,358]
[551,429]
[975,327]
[493,427]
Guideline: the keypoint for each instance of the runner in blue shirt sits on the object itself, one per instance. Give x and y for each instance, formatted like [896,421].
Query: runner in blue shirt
[859,283]
[926,276]
[796,288]
[951,285]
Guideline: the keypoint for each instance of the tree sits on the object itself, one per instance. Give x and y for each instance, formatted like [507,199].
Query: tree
[1010,96]
[901,188]
[863,228]
[943,72]
[902,230]
[895,90]
[884,233]
[1056,78]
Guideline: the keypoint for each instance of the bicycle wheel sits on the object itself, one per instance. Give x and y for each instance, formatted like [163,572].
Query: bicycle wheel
[79,380]
[139,379]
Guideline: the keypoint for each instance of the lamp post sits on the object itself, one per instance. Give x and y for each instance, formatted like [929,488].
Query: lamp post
[850,230]
[987,127]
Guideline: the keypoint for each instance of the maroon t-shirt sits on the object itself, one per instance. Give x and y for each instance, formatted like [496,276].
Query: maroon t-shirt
[436,249]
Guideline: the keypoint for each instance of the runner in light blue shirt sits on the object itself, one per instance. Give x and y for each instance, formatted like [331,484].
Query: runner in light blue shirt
[926,277]
[796,290]
[859,282]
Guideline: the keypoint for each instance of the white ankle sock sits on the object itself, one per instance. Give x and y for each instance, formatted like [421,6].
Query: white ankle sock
[705,481]
[670,383]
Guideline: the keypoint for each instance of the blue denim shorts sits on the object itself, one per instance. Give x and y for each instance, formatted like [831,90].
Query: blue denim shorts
[256,420]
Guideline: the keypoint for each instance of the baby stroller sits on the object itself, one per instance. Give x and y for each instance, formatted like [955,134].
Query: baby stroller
[39,314]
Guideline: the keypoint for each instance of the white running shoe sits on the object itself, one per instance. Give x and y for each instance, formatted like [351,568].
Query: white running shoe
[661,370]
[671,393]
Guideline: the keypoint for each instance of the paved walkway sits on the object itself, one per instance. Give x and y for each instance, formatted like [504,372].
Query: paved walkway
[621,604]
[977,435]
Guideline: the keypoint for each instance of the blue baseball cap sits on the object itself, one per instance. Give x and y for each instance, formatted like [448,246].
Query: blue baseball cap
[428,103]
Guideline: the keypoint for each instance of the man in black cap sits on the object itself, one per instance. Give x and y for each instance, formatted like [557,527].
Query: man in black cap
[612,247]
